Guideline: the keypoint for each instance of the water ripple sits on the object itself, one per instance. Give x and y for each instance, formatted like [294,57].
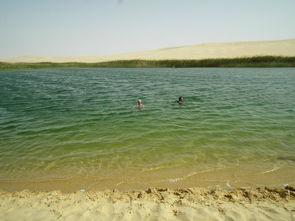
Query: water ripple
[85,119]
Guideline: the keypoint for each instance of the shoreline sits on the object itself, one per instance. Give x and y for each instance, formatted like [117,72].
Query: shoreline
[151,204]
[256,61]
[242,176]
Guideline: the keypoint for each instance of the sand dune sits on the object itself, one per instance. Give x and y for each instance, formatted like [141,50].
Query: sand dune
[151,204]
[199,51]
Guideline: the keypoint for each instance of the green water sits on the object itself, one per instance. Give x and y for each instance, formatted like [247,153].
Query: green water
[56,123]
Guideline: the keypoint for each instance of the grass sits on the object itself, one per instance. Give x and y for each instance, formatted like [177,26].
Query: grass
[259,61]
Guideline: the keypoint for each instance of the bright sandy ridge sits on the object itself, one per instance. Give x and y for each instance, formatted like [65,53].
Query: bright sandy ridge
[199,51]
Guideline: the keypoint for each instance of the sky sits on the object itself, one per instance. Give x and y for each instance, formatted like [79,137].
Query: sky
[101,27]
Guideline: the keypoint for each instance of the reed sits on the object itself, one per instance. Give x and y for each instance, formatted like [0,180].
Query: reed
[259,61]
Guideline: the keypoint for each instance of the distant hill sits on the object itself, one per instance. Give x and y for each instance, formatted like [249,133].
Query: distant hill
[284,48]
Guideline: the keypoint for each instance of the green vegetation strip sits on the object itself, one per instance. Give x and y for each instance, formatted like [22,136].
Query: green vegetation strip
[260,61]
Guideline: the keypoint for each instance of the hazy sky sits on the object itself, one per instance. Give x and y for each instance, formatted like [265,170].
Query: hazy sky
[97,27]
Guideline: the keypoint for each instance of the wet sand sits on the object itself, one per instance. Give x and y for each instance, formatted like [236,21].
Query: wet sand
[248,176]
[227,194]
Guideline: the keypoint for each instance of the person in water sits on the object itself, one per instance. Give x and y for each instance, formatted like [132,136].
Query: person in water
[139,103]
[180,100]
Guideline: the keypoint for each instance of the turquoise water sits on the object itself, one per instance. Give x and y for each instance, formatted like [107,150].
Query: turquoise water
[56,123]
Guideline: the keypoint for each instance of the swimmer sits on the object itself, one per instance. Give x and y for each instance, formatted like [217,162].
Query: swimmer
[139,104]
[180,100]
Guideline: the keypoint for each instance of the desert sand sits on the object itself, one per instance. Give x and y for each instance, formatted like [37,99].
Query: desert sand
[151,204]
[199,51]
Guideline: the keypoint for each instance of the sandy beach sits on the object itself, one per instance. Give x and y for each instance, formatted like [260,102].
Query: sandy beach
[197,52]
[151,204]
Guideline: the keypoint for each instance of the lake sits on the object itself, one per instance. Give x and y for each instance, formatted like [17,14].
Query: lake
[80,127]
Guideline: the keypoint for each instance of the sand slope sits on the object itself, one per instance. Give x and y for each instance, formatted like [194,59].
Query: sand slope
[200,51]
[152,204]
